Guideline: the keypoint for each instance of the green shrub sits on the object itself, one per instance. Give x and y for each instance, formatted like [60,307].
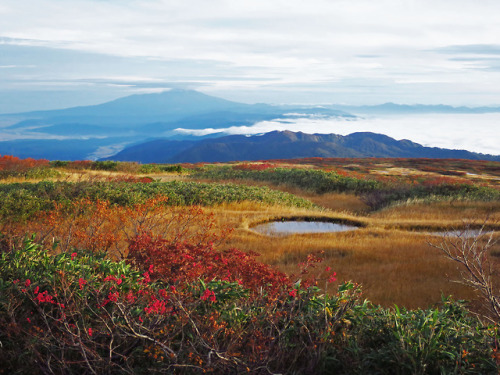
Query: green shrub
[79,312]
[173,168]
[374,193]
[107,165]
[21,200]
[59,163]
[445,340]
[314,180]
[149,168]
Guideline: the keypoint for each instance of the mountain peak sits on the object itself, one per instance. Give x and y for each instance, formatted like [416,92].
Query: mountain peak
[285,145]
[164,106]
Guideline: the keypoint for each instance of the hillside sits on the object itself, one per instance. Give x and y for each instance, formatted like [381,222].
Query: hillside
[153,263]
[285,145]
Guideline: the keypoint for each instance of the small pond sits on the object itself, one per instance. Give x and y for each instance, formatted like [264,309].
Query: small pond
[283,228]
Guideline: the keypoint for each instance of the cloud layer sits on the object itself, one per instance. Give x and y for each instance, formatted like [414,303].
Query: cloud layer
[472,132]
[356,52]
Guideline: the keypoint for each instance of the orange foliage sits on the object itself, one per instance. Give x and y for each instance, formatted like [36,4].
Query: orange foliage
[99,226]
[14,164]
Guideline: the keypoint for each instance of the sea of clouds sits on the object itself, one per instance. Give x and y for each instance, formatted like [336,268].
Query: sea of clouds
[472,132]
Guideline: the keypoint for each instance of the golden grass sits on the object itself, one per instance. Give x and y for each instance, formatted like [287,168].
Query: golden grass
[393,266]
[97,175]
[89,175]
[441,212]
[349,203]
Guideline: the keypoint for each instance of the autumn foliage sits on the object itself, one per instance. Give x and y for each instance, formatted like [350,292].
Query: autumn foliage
[116,279]
[184,262]
[97,225]
[12,166]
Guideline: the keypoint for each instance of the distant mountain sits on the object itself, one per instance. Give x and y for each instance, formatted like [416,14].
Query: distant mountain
[132,119]
[179,108]
[157,151]
[285,145]
[142,108]
[394,109]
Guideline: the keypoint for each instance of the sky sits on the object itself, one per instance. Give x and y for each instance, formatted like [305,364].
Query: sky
[61,53]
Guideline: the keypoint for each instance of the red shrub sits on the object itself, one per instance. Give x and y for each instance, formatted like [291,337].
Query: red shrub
[182,262]
[14,164]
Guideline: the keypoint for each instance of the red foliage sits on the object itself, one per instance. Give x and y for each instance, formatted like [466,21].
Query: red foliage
[182,262]
[80,164]
[14,164]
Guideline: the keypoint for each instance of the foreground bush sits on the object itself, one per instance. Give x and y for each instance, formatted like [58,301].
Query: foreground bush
[79,313]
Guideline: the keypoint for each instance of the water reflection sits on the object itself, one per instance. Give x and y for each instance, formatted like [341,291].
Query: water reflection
[283,228]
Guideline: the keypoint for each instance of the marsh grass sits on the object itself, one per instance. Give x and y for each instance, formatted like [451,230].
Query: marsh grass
[394,266]
[441,211]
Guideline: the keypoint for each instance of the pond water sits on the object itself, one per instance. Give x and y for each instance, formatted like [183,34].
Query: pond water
[283,228]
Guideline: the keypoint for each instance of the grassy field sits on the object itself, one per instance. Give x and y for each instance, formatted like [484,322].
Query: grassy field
[159,268]
[389,255]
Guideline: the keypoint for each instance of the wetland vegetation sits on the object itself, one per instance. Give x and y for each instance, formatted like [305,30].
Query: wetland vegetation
[128,268]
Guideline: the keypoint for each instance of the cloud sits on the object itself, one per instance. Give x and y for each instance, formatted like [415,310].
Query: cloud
[16,66]
[474,49]
[463,131]
[245,47]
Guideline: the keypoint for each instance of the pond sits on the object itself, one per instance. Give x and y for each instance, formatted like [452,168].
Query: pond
[283,228]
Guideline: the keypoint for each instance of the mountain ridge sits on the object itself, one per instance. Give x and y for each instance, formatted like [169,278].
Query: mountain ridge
[136,118]
[285,145]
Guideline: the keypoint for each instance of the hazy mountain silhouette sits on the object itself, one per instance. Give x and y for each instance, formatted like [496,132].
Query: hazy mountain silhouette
[141,109]
[167,107]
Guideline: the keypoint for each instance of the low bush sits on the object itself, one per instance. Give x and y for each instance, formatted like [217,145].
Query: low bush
[23,200]
[11,166]
[157,168]
[107,165]
[78,313]
[314,180]
[376,194]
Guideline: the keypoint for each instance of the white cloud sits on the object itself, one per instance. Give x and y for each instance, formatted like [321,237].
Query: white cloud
[290,42]
[472,132]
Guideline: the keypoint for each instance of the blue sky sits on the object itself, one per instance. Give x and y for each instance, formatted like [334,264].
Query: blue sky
[60,53]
